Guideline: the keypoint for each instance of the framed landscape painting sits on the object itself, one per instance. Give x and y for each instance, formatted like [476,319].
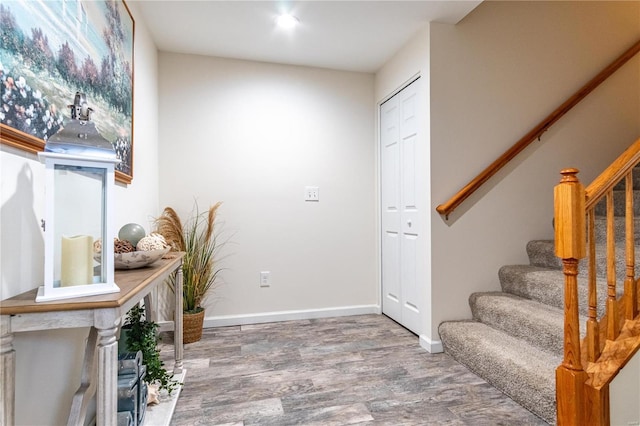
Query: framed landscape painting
[49,50]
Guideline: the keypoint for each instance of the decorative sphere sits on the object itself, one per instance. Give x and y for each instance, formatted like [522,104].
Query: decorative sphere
[132,232]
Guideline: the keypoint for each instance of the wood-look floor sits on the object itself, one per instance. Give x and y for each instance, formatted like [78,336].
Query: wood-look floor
[364,370]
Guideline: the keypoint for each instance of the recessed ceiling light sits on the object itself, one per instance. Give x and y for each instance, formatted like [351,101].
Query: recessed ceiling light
[287,21]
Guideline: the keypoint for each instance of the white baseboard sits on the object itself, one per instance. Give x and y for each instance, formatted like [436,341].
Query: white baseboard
[432,346]
[228,320]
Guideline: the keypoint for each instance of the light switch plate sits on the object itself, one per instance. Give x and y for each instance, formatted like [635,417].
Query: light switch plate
[265,278]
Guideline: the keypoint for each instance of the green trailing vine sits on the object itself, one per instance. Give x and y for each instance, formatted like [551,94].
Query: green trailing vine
[142,336]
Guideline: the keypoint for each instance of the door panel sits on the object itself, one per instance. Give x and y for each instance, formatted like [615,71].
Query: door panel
[391,275]
[409,283]
[409,174]
[411,215]
[390,175]
[401,213]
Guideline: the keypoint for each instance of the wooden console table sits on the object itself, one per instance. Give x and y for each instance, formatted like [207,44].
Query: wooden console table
[103,314]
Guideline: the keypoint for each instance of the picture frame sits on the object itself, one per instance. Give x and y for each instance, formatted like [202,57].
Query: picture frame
[51,50]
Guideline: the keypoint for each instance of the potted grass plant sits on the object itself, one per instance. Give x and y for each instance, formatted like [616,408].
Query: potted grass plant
[196,236]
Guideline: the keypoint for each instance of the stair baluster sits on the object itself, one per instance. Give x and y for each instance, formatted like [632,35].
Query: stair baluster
[593,327]
[630,287]
[612,302]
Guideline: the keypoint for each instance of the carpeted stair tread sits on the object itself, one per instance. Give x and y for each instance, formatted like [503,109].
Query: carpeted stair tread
[536,323]
[620,261]
[523,372]
[533,282]
[547,286]
[542,254]
[619,229]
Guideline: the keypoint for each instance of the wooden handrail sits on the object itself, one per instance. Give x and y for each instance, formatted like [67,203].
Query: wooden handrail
[535,133]
[612,174]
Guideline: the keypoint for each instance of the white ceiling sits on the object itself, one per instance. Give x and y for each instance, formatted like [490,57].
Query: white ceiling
[345,35]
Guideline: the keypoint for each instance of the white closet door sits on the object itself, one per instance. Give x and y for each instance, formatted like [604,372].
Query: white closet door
[401,215]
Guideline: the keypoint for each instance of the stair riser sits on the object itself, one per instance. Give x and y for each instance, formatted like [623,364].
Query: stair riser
[482,349]
[538,325]
[523,282]
[542,254]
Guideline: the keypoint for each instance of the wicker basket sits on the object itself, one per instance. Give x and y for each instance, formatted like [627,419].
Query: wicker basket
[192,326]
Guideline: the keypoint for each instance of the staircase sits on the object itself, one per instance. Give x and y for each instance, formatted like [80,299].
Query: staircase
[515,340]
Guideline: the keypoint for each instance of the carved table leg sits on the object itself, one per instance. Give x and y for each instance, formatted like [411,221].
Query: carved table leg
[87,387]
[177,323]
[7,373]
[151,306]
[107,395]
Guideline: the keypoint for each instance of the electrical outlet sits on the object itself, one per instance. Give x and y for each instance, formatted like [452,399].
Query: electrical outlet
[265,279]
[311,193]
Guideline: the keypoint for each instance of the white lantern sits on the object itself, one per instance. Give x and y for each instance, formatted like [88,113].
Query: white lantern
[79,179]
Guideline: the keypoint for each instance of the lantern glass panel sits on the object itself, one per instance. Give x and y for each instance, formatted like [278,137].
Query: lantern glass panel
[79,216]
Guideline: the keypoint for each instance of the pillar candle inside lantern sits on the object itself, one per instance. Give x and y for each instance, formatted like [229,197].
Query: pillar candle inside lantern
[77,260]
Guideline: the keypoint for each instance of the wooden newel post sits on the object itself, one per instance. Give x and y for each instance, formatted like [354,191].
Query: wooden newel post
[570,243]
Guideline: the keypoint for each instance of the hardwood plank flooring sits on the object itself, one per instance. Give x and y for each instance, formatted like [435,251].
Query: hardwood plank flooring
[364,370]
